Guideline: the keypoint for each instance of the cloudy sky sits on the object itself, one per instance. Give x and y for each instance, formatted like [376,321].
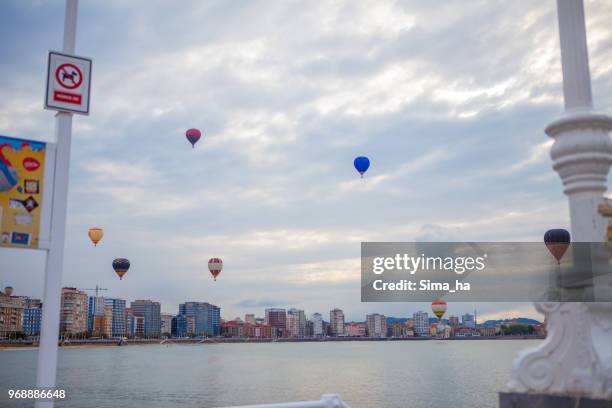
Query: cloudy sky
[449,102]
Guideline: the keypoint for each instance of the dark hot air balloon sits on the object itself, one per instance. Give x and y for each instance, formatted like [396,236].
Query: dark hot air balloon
[362,164]
[193,135]
[557,241]
[8,290]
[214,266]
[121,266]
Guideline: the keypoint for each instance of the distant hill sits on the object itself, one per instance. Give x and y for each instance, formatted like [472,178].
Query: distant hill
[520,320]
[489,323]
[402,320]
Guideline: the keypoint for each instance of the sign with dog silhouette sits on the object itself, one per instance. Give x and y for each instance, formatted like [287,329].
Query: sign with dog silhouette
[68,83]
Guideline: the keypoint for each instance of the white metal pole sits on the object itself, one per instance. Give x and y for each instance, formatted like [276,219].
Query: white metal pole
[574,55]
[47,352]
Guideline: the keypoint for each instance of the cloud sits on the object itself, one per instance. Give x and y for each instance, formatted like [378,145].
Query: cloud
[260,303]
[438,233]
[536,155]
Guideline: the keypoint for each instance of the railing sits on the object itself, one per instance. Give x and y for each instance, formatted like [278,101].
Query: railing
[326,401]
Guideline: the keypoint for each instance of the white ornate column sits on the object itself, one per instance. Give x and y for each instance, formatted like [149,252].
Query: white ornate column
[575,360]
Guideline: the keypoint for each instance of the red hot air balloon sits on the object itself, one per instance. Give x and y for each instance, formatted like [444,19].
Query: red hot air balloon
[193,135]
[214,266]
[557,241]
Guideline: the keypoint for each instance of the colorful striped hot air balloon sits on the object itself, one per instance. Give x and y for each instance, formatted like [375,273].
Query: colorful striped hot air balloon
[121,266]
[439,308]
[214,266]
[95,234]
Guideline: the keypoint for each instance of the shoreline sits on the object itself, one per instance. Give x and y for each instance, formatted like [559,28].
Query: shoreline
[113,343]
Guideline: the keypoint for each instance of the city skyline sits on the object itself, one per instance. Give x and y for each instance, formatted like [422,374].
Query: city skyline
[91,318]
[97,305]
[459,307]
[280,130]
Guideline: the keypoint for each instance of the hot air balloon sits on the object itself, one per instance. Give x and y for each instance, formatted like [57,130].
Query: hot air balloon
[193,135]
[214,266]
[8,290]
[557,241]
[121,266]
[439,308]
[362,164]
[95,234]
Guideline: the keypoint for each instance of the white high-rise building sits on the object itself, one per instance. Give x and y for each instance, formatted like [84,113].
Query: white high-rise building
[421,323]
[317,323]
[166,322]
[296,323]
[336,322]
[376,325]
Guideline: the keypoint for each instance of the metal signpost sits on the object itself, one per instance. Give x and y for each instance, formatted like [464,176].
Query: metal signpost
[68,90]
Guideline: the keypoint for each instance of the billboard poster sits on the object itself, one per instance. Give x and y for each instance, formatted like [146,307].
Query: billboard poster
[22,164]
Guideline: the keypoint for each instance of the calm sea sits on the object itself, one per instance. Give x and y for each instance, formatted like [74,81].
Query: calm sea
[366,374]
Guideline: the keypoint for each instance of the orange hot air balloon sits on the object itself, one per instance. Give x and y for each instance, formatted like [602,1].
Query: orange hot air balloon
[95,234]
[439,308]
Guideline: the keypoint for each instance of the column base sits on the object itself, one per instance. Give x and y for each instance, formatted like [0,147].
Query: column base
[533,400]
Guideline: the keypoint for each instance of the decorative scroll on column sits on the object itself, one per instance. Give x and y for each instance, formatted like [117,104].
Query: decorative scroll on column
[568,361]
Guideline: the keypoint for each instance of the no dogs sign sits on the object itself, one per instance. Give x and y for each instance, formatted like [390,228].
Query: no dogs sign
[68,83]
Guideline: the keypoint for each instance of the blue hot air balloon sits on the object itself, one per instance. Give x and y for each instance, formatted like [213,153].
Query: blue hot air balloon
[362,164]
